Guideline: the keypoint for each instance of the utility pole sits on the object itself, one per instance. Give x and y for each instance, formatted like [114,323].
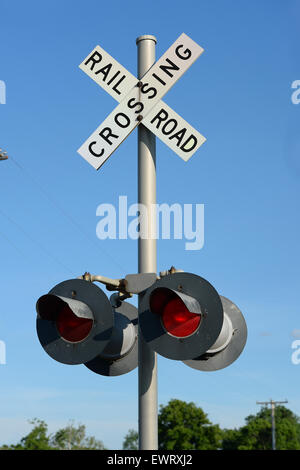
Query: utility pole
[273,405]
[147,360]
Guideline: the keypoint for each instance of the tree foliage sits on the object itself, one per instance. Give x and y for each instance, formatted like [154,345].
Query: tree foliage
[72,438]
[183,426]
[256,434]
[131,440]
[68,438]
[36,439]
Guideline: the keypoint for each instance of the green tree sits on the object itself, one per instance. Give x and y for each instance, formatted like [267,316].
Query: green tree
[183,426]
[37,439]
[74,438]
[257,432]
[131,440]
[231,439]
[68,438]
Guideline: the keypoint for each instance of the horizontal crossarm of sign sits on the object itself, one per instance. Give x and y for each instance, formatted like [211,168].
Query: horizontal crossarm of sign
[143,102]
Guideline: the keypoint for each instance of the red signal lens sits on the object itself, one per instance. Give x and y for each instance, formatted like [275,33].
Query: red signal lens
[178,320]
[159,298]
[71,327]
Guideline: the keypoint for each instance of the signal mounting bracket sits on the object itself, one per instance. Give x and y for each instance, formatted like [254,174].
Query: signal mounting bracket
[131,284]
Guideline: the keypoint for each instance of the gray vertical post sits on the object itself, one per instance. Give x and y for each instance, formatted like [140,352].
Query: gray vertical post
[273,425]
[273,405]
[147,362]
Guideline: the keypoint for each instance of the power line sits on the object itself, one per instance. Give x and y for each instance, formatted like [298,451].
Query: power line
[50,255]
[65,214]
[3,156]
[273,405]
[12,244]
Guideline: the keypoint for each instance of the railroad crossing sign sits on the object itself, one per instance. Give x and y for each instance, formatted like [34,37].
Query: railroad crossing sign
[140,102]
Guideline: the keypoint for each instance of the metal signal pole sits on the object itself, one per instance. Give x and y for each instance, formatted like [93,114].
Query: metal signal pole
[273,405]
[147,360]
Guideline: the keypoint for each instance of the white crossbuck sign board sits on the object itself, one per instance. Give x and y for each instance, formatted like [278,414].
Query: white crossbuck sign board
[140,102]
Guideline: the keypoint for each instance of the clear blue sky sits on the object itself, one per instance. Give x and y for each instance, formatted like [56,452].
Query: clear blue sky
[247,174]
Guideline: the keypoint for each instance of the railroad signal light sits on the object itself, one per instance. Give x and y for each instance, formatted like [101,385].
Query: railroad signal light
[77,324]
[74,321]
[181,316]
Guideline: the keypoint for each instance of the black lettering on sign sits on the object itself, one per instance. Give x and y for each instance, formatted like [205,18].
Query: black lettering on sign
[95,58]
[194,143]
[158,79]
[118,120]
[161,116]
[118,83]
[134,105]
[187,53]
[167,128]
[179,136]
[106,133]
[114,76]
[167,68]
[105,70]
[149,90]
[92,151]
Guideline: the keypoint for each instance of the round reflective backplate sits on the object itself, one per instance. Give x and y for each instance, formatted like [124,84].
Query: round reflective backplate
[109,362]
[222,359]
